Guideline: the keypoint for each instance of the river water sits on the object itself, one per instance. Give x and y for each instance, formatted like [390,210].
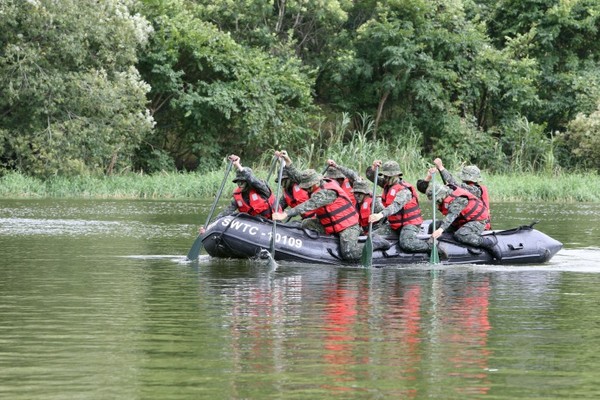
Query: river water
[98,302]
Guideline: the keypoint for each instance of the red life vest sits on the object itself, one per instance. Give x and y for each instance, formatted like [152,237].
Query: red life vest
[338,215]
[410,213]
[296,196]
[348,189]
[364,210]
[257,205]
[474,211]
[485,197]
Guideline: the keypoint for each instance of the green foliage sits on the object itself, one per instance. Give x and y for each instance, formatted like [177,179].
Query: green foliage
[72,101]
[212,96]
[565,42]
[510,85]
[354,149]
[426,63]
[526,147]
[582,139]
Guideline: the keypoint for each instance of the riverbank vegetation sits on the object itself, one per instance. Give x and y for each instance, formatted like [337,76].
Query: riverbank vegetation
[145,98]
[513,187]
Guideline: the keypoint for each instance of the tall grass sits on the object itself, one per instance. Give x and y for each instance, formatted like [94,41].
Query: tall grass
[354,148]
[577,187]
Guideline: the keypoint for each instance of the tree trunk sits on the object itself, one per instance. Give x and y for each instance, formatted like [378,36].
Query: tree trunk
[380,106]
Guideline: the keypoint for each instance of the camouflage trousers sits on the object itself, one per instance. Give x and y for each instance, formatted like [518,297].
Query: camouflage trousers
[407,238]
[350,249]
[470,233]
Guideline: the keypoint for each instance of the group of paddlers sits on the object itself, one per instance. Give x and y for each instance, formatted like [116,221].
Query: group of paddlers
[341,202]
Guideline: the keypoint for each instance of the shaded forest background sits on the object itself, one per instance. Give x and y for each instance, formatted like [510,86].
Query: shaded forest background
[116,86]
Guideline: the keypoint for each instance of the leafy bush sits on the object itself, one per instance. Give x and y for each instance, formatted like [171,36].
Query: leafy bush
[582,138]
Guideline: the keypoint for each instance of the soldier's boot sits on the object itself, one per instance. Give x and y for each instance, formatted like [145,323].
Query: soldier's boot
[491,245]
[379,243]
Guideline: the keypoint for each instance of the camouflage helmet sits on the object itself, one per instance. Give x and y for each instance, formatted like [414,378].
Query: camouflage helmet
[361,186]
[284,175]
[441,192]
[308,178]
[334,173]
[470,173]
[239,175]
[390,168]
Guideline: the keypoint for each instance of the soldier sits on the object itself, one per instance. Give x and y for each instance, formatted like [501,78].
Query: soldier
[344,176]
[364,199]
[334,212]
[293,194]
[401,207]
[252,195]
[465,217]
[471,181]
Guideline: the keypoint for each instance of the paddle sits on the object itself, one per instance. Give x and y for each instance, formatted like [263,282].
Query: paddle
[272,168]
[197,246]
[272,262]
[366,259]
[434,257]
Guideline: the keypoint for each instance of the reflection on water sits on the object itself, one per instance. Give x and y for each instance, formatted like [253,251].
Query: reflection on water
[96,301]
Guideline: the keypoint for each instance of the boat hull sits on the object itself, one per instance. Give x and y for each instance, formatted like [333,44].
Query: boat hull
[244,236]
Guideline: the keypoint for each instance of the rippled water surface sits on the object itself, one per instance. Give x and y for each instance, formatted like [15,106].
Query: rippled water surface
[98,302]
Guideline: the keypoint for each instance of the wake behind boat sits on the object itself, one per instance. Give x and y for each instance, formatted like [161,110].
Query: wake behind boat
[244,236]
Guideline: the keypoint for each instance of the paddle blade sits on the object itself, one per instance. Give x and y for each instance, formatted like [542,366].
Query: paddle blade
[272,242]
[366,259]
[272,264]
[434,258]
[196,249]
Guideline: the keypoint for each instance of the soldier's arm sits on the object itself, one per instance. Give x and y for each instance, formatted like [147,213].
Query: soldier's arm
[448,178]
[293,172]
[402,197]
[318,199]
[349,173]
[370,173]
[258,184]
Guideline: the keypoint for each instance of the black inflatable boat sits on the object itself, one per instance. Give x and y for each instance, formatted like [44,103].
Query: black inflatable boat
[244,236]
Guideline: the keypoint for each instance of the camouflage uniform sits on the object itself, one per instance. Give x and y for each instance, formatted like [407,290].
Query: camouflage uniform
[350,249]
[470,232]
[349,173]
[252,182]
[449,179]
[407,238]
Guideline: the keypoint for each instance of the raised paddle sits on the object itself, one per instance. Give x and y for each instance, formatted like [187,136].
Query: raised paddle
[197,246]
[272,263]
[366,259]
[272,168]
[434,257]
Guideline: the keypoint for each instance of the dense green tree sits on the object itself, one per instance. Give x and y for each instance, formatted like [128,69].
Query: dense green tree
[212,95]
[422,63]
[581,140]
[71,100]
[564,38]
[306,27]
